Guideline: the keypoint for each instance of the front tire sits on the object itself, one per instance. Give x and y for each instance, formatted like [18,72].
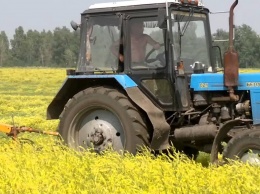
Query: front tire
[245,146]
[103,117]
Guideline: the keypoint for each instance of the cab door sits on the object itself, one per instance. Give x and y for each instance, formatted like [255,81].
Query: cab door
[145,61]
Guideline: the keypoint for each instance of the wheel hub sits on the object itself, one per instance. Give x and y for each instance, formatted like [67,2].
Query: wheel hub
[100,130]
[97,138]
[98,135]
[252,157]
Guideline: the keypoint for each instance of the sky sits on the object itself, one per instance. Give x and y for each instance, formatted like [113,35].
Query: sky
[49,14]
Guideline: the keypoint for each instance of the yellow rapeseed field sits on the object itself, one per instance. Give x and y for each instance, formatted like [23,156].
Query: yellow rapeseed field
[43,165]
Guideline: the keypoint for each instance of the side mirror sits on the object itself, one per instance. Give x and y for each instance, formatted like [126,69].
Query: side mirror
[74,25]
[217,58]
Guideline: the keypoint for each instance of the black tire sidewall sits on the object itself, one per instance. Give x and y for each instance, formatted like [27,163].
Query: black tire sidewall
[239,145]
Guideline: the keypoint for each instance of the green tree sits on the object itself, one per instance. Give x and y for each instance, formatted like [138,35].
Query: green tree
[45,48]
[33,39]
[63,46]
[247,45]
[19,47]
[69,57]
[71,53]
[4,48]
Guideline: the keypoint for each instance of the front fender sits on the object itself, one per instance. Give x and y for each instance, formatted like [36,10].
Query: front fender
[222,133]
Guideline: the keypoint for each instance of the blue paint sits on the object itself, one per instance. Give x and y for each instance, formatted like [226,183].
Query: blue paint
[255,103]
[246,82]
[215,81]
[124,80]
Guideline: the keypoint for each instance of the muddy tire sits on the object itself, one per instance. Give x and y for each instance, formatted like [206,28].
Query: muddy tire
[245,146]
[103,117]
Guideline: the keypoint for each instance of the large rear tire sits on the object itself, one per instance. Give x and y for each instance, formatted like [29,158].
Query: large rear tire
[245,146]
[103,117]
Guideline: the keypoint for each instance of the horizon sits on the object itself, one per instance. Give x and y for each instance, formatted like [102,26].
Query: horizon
[48,15]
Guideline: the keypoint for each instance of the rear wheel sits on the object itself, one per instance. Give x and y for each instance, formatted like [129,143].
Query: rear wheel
[245,146]
[103,117]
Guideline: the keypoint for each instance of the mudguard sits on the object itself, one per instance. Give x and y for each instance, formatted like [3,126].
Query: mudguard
[222,133]
[160,140]
[76,83]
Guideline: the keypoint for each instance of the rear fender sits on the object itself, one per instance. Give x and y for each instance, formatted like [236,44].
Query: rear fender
[74,84]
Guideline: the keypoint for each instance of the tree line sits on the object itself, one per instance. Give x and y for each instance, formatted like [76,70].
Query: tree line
[246,43]
[57,48]
[60,47]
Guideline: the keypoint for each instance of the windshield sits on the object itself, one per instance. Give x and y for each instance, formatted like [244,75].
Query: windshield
[98,37]
[190,40]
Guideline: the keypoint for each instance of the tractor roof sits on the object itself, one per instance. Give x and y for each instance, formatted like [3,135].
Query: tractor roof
[134,3]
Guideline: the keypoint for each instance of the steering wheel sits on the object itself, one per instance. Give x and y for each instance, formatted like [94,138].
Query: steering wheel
[160,57]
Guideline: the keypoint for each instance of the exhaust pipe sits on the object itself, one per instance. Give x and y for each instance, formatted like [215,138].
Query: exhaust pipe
[231,64]
[199,132]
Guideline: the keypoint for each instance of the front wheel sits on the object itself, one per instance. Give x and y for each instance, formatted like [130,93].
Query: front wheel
[245,146]
[103,117]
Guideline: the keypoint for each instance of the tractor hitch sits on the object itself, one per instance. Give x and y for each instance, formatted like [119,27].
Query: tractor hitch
[13,131]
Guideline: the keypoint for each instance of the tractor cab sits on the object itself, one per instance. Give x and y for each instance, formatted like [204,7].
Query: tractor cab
[181,29]
[157,44]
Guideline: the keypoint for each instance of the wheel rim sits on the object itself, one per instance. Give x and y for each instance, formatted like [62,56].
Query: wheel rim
[99,129]
[252,157]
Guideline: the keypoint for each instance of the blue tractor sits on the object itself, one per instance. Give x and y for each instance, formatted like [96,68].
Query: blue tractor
[166,87]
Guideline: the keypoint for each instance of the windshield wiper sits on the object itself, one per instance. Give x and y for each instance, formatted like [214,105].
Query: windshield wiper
[184,28]
[182,31]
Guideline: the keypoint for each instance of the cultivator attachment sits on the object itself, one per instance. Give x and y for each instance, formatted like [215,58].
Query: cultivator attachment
[13,131]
